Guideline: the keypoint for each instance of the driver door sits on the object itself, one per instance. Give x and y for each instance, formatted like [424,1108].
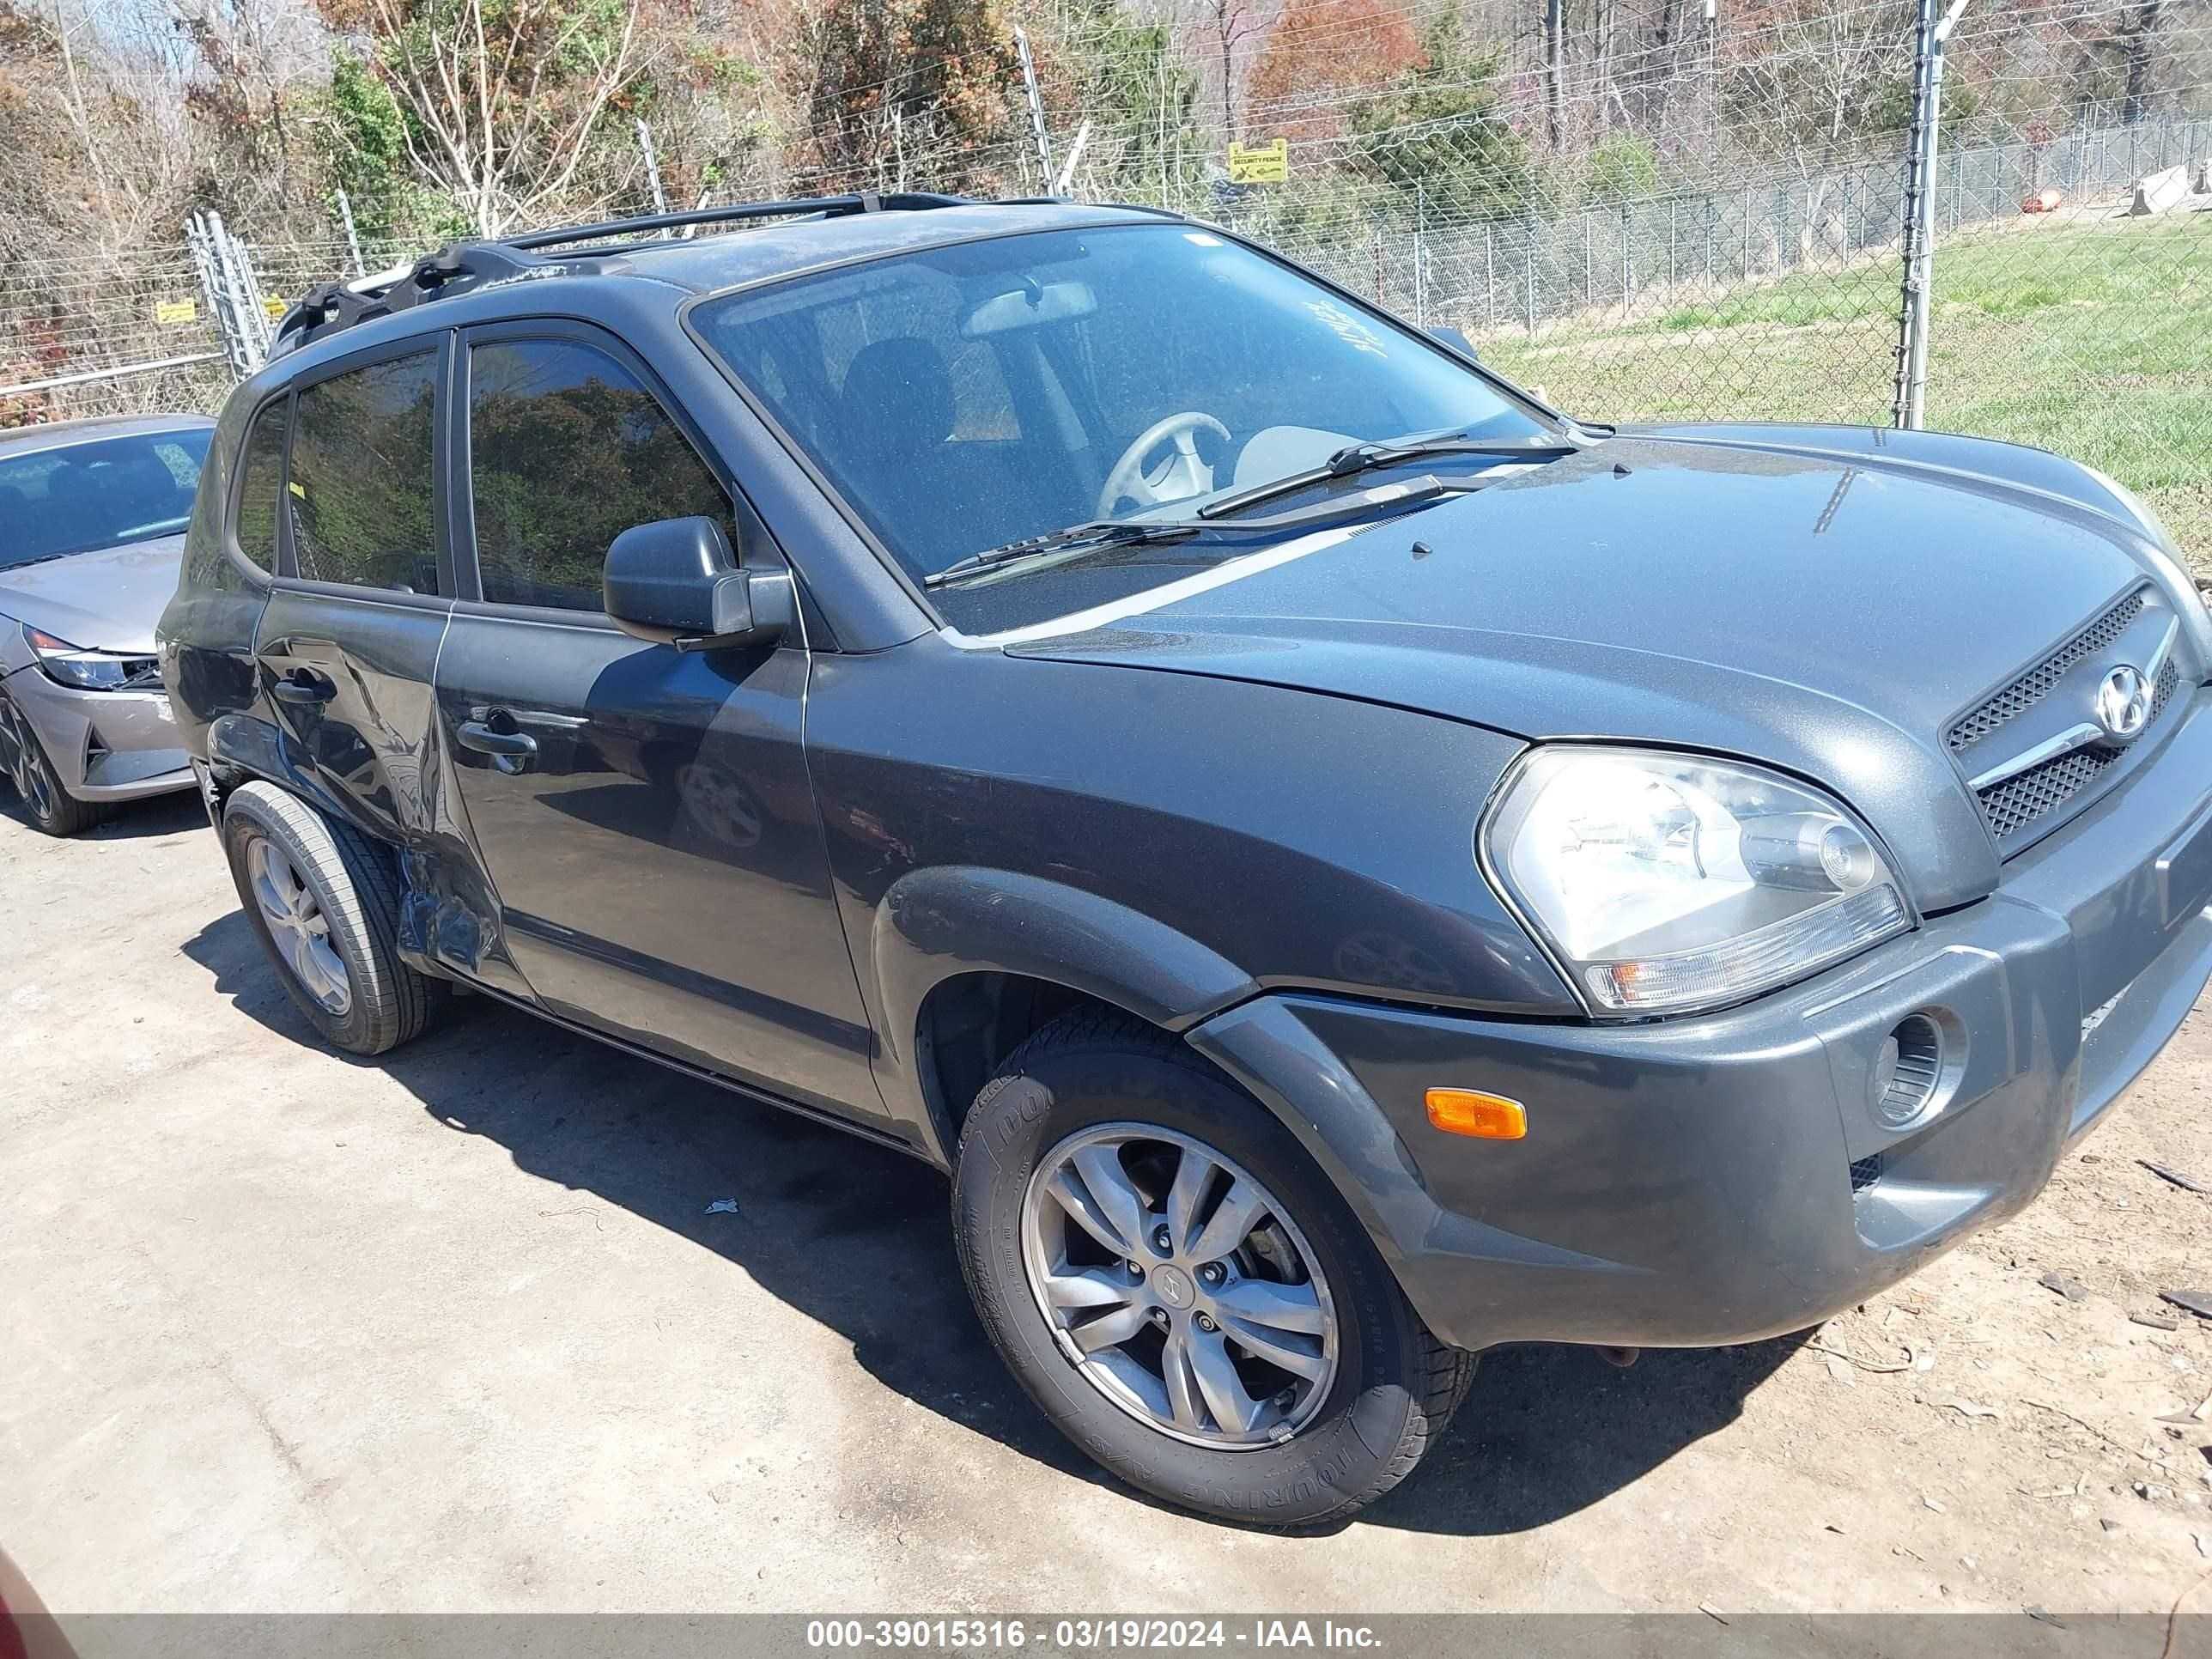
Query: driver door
[643,813]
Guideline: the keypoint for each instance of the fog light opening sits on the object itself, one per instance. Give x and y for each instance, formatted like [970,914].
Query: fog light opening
[1909,1071]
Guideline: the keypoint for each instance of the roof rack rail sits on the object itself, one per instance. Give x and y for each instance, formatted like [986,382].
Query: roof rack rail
[737,212]
[462,265]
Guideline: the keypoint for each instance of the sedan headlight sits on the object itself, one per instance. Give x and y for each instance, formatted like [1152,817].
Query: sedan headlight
[1665,882]
[85,671]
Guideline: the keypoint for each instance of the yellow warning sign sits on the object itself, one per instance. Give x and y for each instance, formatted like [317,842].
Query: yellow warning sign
[176,311]
[1259,164]
[275,308]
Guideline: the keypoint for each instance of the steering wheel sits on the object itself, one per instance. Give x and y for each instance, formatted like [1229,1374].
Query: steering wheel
[1182,474]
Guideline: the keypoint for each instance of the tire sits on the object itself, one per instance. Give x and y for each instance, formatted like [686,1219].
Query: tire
[348,889]
[23,763]
[1101,1078]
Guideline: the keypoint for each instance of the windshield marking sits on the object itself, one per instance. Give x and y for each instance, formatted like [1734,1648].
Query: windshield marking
[1152,599]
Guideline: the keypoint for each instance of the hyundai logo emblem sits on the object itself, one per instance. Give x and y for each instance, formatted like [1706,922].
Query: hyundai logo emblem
[2123,703]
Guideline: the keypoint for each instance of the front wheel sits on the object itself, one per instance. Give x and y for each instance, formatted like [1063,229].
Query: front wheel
[1180,1288]
[23,763]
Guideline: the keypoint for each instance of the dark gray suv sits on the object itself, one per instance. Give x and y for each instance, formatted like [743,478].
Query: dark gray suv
[1343,866]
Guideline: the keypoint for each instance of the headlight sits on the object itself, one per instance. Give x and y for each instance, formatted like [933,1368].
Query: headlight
[1670,882]
[2165,558]
[80,670]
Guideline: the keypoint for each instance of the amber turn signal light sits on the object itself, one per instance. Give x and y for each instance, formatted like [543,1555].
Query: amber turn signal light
[1471,1112]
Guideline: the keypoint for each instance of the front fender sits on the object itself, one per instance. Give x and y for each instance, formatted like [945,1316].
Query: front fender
[934,924]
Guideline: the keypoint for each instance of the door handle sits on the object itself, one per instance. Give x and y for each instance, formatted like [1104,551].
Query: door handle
[487,739]
[303,690]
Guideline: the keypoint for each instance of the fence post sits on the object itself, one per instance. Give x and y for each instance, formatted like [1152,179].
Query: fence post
[1909,405]
[218,300]
[1490,277]
[253,327]
[353,241]
[1420,247]
[1036,106]
[652,166]
[1528,260]
[1627,264]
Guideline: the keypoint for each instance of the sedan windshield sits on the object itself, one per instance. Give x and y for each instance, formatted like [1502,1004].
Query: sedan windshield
[75,497]
[973,399]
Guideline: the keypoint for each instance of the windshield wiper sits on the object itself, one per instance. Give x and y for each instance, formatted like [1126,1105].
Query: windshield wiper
[1105,532]
[1355,459]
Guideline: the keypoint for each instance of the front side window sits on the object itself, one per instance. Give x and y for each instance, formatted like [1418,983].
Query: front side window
[107,493]
[567,450]
[362,499]
[967,398]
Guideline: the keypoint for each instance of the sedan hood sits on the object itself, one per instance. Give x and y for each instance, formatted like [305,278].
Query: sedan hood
[104,601]
[1814,611]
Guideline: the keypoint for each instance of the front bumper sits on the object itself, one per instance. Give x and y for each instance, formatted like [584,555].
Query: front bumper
[1689,1182]
[104,745]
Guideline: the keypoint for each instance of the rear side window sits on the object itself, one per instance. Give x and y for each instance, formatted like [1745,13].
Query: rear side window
[363,508]
[567,450]
[261,475]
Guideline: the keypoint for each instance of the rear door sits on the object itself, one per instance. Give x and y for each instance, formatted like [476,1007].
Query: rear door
[350,639]
[643,813]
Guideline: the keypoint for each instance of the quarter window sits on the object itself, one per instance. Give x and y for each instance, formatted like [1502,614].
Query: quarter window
[260,482]
[364,509]
[567,450]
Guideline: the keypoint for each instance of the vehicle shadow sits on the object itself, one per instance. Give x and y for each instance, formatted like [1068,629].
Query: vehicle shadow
[855,1235]
[157,815]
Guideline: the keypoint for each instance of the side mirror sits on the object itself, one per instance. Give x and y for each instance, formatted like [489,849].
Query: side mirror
[1456,340]
[674,581]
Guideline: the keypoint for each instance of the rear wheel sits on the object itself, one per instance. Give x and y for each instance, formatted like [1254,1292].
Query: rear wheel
[23,760]
[325,900]
[1180,1289]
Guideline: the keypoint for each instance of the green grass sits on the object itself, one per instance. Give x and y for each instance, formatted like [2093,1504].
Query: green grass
[2093,339]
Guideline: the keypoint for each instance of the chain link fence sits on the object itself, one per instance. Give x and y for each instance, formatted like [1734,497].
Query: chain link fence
[1713,226]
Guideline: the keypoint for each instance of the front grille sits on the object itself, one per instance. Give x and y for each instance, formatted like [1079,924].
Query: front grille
[2031,687]
[2019,801]
[1865,1172]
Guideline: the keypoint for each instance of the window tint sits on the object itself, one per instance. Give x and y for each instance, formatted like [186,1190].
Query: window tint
[261,478]
[362,505]
[566,452]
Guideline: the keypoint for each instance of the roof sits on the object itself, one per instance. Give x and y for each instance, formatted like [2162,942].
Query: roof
[772,239]
[57,434]
[778,247]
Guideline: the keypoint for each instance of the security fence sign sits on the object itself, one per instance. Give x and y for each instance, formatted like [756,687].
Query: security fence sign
[176,311]
[1259,164]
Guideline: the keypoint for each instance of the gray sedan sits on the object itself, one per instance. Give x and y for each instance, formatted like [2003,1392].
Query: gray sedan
[92,521]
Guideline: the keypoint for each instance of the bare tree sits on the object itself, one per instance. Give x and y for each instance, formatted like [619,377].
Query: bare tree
[1231,22]
[505,106]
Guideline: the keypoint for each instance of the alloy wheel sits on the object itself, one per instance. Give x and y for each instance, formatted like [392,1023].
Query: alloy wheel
[25,765]
[297,925]
[1179,1287]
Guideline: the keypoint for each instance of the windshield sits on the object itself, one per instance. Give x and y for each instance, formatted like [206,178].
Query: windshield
[964,398]
[104,493]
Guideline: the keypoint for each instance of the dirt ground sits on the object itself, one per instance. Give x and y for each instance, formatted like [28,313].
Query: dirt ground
[457,1330]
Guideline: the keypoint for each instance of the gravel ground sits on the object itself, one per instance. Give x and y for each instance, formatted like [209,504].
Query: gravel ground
[456,1330]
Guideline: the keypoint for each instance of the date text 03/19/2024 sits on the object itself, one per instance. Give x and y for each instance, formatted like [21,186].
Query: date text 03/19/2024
[1080,1635]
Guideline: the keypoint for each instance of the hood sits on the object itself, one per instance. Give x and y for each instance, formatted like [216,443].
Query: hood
[1815,612]
[104,601]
